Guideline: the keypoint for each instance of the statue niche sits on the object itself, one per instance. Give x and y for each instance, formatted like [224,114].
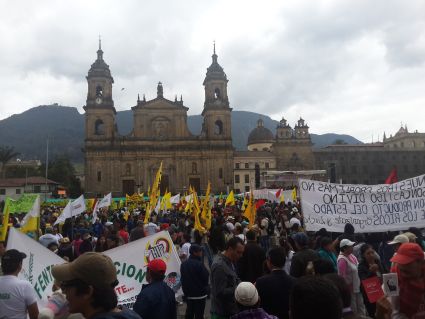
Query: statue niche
[160,127]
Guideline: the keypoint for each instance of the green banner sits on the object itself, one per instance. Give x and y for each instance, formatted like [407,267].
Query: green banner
[23,204]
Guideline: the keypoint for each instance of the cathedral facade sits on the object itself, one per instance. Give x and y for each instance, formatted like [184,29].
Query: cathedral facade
[126,164]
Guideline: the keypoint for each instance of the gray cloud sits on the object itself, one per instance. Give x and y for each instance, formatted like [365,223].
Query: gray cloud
[353,67]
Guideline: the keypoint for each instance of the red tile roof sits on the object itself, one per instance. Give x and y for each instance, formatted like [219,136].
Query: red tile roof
[19,182]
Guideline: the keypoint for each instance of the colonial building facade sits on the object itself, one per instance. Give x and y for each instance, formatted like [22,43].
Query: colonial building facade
[126,164]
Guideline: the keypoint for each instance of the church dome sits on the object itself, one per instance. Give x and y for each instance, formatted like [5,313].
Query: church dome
[260,138]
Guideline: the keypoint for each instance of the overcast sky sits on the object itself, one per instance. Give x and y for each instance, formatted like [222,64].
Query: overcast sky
[355,67]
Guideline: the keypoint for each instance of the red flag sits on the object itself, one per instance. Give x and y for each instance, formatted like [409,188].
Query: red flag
[278,192]
[392,178]
[259,203]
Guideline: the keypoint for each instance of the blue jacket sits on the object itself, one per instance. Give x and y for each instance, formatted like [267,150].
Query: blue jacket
[156,301]
[194,277]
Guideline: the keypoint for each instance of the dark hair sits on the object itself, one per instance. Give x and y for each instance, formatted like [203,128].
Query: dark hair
[186,237]
[348,229]
[250,235]
[233,243]
[323,266]
[103,296]
[50,245]
[277,256]
[10,266]
[363,249]
[315,297]
[341,285]
[157,276]
[324,241]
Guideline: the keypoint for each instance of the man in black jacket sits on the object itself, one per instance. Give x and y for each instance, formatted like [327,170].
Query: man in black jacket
[302,262]
[250,266]
[156,300]
[274,289]
[194,277]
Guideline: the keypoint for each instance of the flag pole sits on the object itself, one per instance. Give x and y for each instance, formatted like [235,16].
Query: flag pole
[47,167]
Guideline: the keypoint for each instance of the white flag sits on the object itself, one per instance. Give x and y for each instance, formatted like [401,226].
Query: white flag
[66,213]
[73,209]
[158,206]
[95,212]
[78,206]
[175,199]
[34,212]
[106,201]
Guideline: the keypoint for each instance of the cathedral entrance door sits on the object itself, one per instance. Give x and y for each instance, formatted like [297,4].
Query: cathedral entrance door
[195,182]
[165,184]
[128,186]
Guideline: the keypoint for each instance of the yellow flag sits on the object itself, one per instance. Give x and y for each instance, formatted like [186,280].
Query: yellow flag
[198,226]
[5,223]
[154,195]
[245,202]
[230,200]
[294,194]
[250,211]
[282,198]
[206,211]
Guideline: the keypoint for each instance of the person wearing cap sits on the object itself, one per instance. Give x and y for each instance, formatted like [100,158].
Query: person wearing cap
[87,244]
[303,257]
[224,280]
[396,243]
[17,297]
[156,300]
[89,285]
[48,237]
[348,269]
[410,269]
[194,278]
[248,301]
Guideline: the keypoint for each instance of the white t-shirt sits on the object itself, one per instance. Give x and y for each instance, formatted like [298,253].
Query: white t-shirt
[46,239]
[15,296]
[184,252]
[151,229]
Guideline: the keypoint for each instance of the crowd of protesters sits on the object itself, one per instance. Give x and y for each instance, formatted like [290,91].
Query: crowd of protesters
[274,269]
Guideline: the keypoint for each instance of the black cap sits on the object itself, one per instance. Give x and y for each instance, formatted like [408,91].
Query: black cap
[13,255]
[194,248]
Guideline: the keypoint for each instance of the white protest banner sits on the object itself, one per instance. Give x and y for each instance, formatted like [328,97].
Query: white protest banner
[369,208]
[270,194]
[130,261]
[36,268]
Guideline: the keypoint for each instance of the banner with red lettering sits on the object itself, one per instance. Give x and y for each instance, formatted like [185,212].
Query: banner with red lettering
[130,261]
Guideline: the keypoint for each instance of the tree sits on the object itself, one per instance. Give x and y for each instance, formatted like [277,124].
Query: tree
[62,171]
[6,154]
[339,142]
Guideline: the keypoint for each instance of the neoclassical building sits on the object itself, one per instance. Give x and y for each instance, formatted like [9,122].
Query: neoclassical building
[125,164]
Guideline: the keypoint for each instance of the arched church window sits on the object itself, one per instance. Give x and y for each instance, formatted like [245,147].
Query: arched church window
[99,127]
[128,169]
[217,93]
[99,90]
[194,168]
[218,127]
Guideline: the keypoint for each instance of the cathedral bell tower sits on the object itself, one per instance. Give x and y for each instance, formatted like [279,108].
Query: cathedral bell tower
[216,112]
[100,110]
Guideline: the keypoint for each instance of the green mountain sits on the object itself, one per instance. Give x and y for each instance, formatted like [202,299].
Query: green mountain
[63,127]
